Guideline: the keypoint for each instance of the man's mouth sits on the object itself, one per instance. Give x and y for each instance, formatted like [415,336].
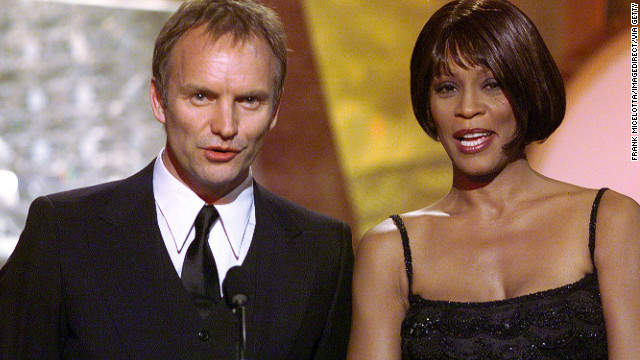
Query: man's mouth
[220,154]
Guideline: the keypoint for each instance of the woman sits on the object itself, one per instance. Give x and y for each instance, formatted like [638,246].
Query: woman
[509,264]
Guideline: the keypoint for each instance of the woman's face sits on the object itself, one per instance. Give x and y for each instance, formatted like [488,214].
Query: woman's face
[473,118]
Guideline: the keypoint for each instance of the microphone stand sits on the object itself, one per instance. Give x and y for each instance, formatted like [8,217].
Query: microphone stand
[239,301]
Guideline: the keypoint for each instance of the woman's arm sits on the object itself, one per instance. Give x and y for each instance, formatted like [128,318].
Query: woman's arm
[617,258]
[379,295]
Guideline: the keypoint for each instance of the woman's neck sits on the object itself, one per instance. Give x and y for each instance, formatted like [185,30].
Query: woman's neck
[494,193]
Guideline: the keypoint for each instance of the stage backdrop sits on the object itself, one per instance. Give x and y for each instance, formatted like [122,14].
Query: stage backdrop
[592,147]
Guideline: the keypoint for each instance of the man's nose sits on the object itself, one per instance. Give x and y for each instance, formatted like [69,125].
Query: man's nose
[224,120]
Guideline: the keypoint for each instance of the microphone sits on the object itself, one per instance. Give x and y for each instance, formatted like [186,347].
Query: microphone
[235,288]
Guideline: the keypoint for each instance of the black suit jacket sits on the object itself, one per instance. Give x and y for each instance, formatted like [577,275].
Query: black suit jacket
[91,278]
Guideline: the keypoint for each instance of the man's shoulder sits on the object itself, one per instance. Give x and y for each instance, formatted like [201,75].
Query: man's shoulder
[129,189]
[285,209]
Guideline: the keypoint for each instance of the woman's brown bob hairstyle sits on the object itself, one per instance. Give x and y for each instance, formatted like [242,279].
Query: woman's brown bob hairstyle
[498,36]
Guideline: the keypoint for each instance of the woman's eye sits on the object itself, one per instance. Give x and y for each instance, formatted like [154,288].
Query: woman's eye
[493,84]
[445,88]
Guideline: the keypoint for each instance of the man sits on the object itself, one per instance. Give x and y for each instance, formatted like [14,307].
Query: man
[134,269]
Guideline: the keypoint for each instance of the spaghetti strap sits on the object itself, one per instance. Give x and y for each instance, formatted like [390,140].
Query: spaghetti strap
[592,225]
[405,246]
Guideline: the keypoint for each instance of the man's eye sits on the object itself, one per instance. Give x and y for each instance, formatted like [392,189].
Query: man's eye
[250,102]
[200,98]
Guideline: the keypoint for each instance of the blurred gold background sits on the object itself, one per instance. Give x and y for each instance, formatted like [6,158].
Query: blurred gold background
[363,50]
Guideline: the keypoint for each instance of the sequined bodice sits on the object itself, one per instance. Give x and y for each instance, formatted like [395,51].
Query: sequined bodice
[561,323]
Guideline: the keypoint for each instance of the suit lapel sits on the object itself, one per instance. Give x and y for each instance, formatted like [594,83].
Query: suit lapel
[149,306]
[282,277]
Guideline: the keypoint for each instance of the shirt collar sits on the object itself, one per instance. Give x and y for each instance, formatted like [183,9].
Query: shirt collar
[180,206]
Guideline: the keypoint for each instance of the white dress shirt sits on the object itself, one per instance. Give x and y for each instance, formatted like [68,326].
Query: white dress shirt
[177,207]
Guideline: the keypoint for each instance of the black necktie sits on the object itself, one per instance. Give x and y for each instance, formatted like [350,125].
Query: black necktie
[199,272]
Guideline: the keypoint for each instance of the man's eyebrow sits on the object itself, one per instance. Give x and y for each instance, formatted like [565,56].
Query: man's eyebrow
[194,88]
[260,94]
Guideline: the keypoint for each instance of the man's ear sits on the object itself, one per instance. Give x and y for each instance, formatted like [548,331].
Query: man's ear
[157,103]
[274,116]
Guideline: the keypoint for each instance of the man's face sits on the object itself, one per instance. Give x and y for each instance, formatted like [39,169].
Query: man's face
[219,105]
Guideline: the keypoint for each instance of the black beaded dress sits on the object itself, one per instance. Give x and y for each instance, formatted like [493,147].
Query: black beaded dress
[561,323]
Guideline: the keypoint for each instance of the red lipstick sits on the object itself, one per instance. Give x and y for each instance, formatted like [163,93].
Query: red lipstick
[471,141]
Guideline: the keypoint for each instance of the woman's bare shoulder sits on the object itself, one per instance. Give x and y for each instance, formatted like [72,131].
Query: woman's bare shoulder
[618,218]
[565,195]
[381,236]
[611,203]
[384,239]
[379,262]
[616,200]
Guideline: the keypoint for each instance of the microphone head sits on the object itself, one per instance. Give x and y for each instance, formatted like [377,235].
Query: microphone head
[235,287]
[238,300]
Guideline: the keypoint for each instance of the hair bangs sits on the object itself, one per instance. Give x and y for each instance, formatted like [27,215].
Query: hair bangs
[462,45]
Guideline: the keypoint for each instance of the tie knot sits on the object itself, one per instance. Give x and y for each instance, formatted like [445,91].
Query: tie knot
[205,219]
